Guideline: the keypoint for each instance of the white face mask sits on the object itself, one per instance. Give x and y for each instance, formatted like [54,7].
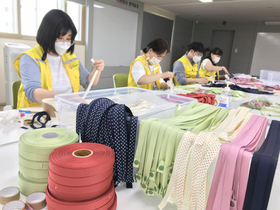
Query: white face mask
[216,60]
[62,47]
[196,58]
[154,61]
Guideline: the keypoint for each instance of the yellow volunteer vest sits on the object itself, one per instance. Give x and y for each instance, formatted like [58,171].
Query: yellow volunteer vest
[190,70]
[206,73]
[71,64]
[156,70]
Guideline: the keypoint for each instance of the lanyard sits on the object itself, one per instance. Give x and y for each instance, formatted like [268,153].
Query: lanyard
[229,180]
[159,140]
[195,153]
[262,170]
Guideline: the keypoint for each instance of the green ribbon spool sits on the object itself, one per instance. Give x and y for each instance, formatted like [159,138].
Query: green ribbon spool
[34,149]
[28,187]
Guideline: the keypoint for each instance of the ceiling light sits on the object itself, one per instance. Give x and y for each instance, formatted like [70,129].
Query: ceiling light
[271,23]
[97,6]
[204,1]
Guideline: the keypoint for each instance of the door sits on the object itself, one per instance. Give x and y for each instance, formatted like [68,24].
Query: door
[223,39]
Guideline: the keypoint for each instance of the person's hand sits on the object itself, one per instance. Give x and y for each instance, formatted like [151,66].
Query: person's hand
[99,65]
[225,70]
[202,80]
[167,75]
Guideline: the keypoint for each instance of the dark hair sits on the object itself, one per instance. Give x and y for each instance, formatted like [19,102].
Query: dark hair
[197,47]
[158,45]
[215,51]
[55,23]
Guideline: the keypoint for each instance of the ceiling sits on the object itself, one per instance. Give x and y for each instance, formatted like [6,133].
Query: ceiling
[221,10]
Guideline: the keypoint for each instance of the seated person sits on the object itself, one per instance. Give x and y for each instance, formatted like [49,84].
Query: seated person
[209,66]
[51,67]
[186,68]
[145,71]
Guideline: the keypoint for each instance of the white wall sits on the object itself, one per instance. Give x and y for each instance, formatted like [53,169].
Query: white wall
[79,51]
[266,53]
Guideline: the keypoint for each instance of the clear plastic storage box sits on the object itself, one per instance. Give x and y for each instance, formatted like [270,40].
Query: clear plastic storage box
[270,77]
[143,103]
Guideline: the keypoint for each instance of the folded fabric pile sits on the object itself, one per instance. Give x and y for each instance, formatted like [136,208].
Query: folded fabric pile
[202,98]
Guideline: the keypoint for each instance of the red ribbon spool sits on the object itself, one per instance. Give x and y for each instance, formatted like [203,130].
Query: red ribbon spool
[81,193]
[81,160]
[80,177]
[104,202]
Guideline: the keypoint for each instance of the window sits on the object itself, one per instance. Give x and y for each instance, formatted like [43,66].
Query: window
[74,10]
[8,16]
[31,13]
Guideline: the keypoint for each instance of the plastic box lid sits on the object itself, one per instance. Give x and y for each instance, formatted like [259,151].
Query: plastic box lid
[270,77]
[161,104]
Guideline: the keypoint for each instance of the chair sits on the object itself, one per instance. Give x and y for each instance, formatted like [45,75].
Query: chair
[120,80]
[15,88]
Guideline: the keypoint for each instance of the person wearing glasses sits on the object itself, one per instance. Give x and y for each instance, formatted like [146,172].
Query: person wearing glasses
[186,68]
[209,66]
[51,67]
[145,71]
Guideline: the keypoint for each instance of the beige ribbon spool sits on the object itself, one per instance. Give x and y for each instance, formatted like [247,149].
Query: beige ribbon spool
[36,201]
[9,194]
[14,205]
[50,106]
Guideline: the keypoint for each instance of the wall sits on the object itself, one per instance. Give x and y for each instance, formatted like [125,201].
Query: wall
[157,26]
[244,40]
[79,51]
[181,38]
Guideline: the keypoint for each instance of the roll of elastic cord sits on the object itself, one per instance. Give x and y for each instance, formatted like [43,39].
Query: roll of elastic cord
[28,187]
[79,193]
[262,170]
[103,202]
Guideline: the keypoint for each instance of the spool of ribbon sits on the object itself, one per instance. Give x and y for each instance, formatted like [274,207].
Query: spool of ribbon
[80,177]
[108,201]
[9,194]
[35,147]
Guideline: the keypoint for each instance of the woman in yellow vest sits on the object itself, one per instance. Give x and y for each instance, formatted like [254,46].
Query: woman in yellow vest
[51,67]
[145,71]
[186,68]
[209,66]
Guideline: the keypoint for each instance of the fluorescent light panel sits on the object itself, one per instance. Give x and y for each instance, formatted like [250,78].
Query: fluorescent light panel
[97,6]
[272,23]
[204,1]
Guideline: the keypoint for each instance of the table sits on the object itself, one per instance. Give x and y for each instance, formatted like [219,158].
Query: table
[128,199]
